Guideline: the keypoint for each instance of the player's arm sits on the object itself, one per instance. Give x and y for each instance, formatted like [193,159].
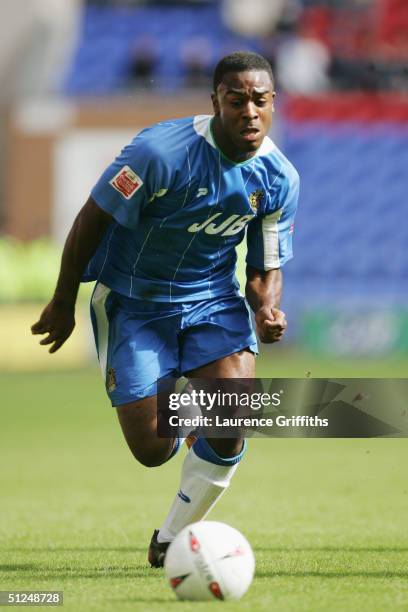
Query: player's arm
[269,240]
[58,317]
[263,291]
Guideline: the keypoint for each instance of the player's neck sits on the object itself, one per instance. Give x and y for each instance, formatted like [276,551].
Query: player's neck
[226,147]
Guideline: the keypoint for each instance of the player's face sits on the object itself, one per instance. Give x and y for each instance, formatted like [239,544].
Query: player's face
[243,107]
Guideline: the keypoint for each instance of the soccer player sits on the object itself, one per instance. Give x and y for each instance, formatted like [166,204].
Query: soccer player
[158,234]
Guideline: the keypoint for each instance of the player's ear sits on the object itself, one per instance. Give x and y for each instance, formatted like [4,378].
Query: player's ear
[215,103]
[273,101]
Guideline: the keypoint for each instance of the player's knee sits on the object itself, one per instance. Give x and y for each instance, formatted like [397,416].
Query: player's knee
[150,457]
[228,447]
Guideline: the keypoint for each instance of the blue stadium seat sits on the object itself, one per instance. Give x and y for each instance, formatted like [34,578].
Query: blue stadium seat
[351,229]
[113,30]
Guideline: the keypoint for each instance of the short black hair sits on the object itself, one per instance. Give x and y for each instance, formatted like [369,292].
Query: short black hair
[240,61]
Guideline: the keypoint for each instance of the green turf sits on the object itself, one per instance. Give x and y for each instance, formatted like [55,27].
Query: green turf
[326,518]
[297,364]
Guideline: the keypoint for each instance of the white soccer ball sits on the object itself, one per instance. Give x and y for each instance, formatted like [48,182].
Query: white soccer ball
[209,560]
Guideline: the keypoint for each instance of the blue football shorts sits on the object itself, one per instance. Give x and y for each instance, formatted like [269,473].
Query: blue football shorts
[140,342]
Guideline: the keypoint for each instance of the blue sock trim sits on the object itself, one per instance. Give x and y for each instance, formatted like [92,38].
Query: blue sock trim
[203,450]
[177,445]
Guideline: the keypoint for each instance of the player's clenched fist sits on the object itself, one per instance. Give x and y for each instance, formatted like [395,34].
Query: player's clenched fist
[270,324]
[57,320]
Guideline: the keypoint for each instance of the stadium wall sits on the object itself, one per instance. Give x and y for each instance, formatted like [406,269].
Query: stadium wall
[36,133]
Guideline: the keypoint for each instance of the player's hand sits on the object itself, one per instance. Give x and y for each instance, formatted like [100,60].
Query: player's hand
[270,324]
[58,321]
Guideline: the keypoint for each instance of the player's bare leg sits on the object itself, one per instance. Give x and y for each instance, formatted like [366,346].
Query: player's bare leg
[139,425]
[238,365]
[208,466]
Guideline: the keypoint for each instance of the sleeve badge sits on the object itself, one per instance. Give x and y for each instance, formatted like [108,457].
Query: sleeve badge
[126,182]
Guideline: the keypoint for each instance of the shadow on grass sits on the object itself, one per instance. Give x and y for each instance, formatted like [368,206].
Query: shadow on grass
[17,567]
[334,549]
[84,549]
[38,570]
[269,549]
[338,574]
[171,600]
[33,570]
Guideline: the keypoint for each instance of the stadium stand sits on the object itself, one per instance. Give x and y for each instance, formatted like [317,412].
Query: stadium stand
[351,231]
[101,61]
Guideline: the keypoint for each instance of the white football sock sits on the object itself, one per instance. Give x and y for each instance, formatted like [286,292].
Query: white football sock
[203,481]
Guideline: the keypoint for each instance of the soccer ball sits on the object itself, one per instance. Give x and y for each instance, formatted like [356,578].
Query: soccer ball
[209,560]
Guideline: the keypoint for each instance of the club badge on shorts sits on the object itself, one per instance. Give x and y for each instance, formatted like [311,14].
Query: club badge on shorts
[110,380]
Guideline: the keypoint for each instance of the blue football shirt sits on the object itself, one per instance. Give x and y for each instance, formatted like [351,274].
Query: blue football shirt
[180,208]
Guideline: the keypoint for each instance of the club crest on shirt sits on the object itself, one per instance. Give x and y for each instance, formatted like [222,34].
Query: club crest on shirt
[110,380]
[255,199]
[126,182]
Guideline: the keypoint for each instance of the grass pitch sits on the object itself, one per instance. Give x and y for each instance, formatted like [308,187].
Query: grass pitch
[326,518]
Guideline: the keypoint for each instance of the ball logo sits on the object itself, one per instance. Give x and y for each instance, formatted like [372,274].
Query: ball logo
[238,552]
[194,543]
[174,582]
[126,182]
[216,590]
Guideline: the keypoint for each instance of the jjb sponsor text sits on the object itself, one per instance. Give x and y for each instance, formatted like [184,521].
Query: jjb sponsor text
[231,226]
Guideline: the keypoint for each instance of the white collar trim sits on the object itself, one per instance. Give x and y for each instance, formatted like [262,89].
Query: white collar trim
[202,125]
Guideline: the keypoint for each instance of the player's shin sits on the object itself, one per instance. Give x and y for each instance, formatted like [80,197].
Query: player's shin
[204,478]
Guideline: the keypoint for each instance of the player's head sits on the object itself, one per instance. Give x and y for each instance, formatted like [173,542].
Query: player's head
[243,103]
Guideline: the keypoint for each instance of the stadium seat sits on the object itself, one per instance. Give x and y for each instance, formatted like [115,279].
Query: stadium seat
[351,224]
[108,35]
